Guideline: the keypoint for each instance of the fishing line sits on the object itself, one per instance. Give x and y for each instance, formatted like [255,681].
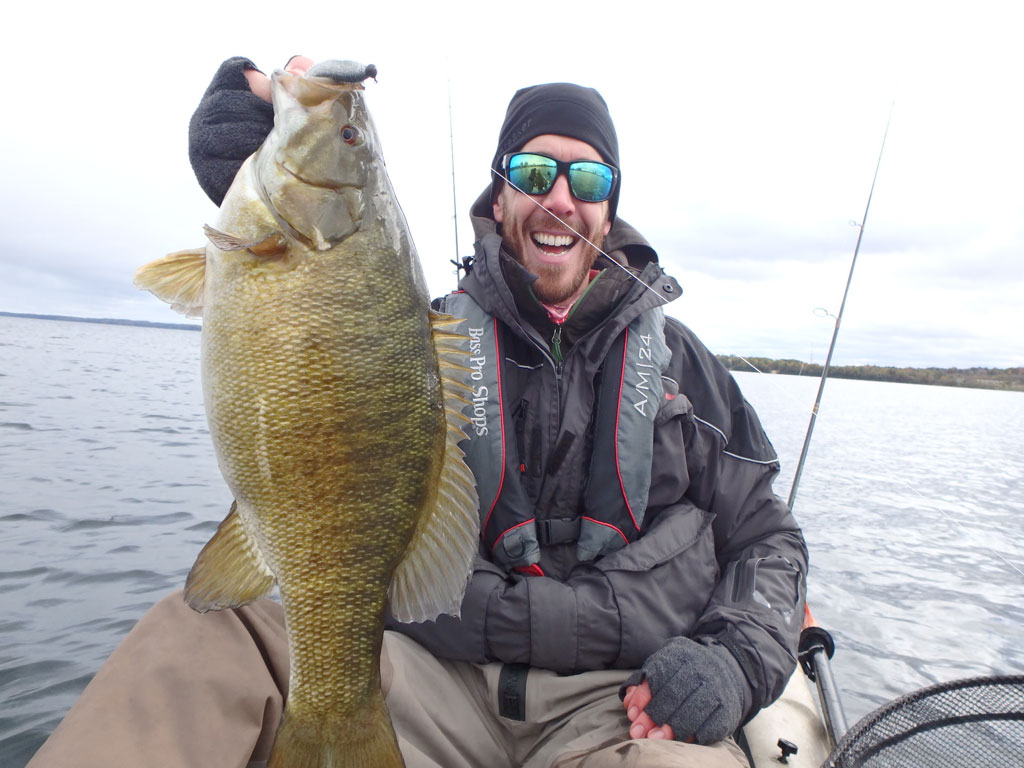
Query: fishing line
[756,369]
[533,200]
[1011,565]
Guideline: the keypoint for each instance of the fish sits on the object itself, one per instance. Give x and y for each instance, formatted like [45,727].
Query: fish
[334,396]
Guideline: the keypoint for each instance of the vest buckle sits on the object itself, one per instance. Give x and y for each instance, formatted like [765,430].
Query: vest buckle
[557,530]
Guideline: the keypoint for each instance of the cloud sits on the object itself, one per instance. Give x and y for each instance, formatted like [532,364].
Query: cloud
[749,136]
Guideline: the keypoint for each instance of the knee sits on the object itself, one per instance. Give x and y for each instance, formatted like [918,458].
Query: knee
[173,602]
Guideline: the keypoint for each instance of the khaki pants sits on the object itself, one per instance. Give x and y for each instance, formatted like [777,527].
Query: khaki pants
[189,690]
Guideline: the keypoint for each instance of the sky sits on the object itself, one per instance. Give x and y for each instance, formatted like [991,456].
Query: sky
[749,135]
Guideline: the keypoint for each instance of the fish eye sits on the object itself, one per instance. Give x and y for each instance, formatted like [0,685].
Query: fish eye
[351,135]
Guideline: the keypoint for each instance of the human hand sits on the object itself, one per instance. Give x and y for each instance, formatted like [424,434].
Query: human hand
[641,725]
[260,83]
[697,690]
[231,122]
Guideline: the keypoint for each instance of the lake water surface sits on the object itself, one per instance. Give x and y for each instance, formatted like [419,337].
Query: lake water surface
[912,501]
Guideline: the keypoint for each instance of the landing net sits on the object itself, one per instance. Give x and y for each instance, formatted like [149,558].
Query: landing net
[977,722]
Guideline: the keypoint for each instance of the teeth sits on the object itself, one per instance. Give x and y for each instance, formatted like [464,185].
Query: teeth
[556,241]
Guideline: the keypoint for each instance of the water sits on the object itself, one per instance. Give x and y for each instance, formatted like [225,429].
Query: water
[911,501]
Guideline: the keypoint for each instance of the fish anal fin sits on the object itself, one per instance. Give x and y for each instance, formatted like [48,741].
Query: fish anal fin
[178,278]
[269,247]
[230,571]
[432,578]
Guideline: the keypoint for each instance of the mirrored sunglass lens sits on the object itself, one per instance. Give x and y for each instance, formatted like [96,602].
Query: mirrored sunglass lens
[591,182]
[532,173]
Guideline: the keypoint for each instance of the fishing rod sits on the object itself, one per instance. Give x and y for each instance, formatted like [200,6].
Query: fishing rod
[835,331]
[455,204]
[816,644]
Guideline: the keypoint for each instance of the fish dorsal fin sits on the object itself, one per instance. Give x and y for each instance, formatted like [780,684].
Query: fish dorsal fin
[433,576]
[177,279]
[230,570]
[270,246]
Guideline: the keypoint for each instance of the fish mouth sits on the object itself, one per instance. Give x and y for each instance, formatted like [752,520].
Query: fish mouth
[311,90]
[333,186]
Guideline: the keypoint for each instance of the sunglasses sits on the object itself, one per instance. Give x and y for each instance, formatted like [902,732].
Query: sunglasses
[535,174]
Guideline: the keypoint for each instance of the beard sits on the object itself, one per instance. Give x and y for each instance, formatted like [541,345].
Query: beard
[556,283]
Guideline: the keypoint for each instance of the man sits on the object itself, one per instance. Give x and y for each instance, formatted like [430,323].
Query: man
[639,589]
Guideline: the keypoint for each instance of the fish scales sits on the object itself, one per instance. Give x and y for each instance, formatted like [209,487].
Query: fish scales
[327,409]
[329,434]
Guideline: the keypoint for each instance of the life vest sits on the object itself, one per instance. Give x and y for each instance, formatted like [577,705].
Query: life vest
[631,393]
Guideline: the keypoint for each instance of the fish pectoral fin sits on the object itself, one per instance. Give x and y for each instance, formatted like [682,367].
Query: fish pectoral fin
[230,570]
[178,279]
[270,246]
[432,578]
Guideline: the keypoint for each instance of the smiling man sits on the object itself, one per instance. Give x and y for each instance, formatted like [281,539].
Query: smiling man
[639,588]
[558,239]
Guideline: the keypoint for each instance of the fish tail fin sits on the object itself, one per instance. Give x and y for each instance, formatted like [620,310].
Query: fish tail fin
[337,743]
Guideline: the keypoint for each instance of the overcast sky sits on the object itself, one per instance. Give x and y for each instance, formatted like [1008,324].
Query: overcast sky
[749,135]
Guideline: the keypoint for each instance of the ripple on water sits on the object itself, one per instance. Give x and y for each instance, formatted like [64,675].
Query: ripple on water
[41,709]
[134,576]
[25,574]
[128,520]
[205,526]
[39,515]
[46,602]
[112,625]
[21,745]
[31,672]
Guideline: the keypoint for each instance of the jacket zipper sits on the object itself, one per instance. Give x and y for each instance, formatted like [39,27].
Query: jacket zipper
[556,347]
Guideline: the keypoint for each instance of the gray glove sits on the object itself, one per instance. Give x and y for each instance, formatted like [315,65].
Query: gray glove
[229,124]
[697,687]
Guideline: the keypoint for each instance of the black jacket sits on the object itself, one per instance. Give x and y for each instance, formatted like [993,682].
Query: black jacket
[719,554]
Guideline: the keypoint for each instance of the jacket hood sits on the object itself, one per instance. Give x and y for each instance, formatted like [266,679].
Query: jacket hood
[623,243]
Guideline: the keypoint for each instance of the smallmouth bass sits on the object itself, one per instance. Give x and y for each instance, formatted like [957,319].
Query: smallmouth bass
[333,395]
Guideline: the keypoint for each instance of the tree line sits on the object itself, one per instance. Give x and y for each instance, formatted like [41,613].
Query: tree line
[976,378]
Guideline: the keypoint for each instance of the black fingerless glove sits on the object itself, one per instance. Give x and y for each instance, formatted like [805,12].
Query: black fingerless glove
[697,687]
[229,124]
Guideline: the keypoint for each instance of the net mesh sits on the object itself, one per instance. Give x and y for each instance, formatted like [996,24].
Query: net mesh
[976,722]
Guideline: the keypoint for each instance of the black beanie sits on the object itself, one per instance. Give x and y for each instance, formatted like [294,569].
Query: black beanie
[564,109]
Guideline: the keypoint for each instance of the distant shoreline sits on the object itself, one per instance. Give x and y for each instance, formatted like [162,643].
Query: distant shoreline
[977,378]
[1007,379]
[105,321]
